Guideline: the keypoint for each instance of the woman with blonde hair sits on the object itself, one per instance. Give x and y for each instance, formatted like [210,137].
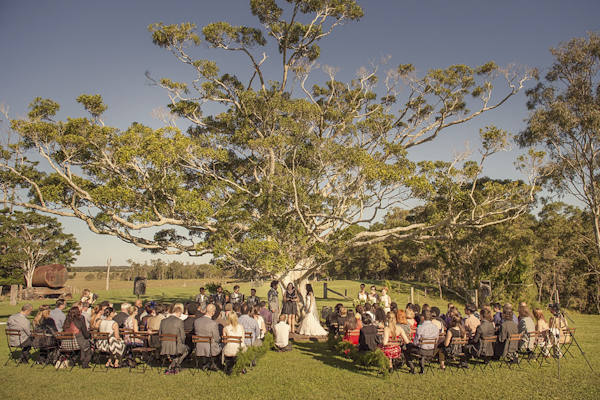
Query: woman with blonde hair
[98,315]
[542,328]
[385,300]
[131,325]
[391,332]
[230,350]
[412,322]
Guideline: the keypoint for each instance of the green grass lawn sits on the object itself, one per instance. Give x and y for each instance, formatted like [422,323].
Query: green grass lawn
[309,371]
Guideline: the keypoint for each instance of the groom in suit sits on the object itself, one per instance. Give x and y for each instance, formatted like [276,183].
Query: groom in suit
[205,326]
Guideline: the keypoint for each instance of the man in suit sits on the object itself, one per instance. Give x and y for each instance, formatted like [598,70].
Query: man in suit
[176,350]
[273,298]
[121,317]
[476,347]
[20,322]
[236,297]
[202,299]
[205,326]
[219,296]
[253,300]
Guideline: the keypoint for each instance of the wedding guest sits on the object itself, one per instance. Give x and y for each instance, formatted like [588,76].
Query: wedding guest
[131,324]
[290,305]
[402,322]
[497,314]
[471,321]
[253,300]
[390,333]
[363,295]
[373,296]
[58,315]
[417,309]
[260,320]
[542,327]
[380,318]
[236,297]
[150,312]
[410,318]
[202,299]
[281,330]
[250,325]
[369,310]
[476,347]
[368,338]
[351,329]
[122,316]
[176,350]
[230,350]
[205,326]
[75,324]
[526,327]
[385,300]
[219,296]
[114,345]
[427,330]
[456,330]
[88,297]
[43,323]
[507,328]
[273,299]
[20,323]
[266,314]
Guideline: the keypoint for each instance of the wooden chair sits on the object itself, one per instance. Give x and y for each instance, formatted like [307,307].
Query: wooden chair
[15,351]
[141,354]
[510,355]
[43,337]
[68,349]
[226,339]
[453,360]
[485,359]
[164,338]
[201,339]
[98,339]
[427,358]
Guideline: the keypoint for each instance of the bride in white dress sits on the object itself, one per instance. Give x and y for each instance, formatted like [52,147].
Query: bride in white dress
[310,325]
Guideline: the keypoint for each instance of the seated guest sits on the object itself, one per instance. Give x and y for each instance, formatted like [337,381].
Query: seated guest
[281,330]
[332,319]
[250,325]
[471,321]
[122,316]
[205,326]
[417,309]
[485,329]
[131,324]
[437,321]
[456,330]
[526,328]
[497,314]
[43,323]
[177,350]
[259,319]
[369,310]
[542,327]
[351,326]
[380,318]
[403,322]
[368,339]
[75,324]
[266,314]
[150,309]
[410,318]
[394,307]
[342,318]
[188,323]
[253,300]
[507,327]
[98,314]
[230,350]
[20,323]
[391,333]
[115,345]
[86,313]
[427,330]
[58,315]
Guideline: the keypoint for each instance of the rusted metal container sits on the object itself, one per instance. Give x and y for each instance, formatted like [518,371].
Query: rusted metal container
[51,276]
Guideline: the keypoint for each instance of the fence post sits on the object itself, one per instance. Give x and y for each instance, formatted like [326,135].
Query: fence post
[13,294]
[324,290]
[476,298]
[412,295]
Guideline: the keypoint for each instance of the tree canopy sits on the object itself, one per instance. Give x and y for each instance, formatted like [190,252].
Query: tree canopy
[291,165]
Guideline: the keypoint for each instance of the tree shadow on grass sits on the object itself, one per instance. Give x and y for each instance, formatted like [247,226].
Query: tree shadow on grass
[320,353]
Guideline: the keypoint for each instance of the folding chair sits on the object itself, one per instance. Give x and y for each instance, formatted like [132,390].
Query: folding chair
[164,338]
[453,360]
[201,339]
[569,337]
[38,338]
[141,354]
[225,340]
[510,355]
[68,349]
[98,339]
[15,351]
[427,358]
[484,359]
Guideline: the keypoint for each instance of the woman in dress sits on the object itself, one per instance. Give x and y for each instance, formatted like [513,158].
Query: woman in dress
[363,295]
[310,324]
[43,323]
[97,315]
[456,330]
[412,322]
[373,296]
[230,350]
[75,324]
[403,322]
[351,329]
[542,327]
[131,325]
[261,321]
[290,305]
[385,300]
[115,345]
[380,318]
[390,332]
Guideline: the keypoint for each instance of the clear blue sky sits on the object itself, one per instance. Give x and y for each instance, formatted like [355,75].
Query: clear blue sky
[60,49]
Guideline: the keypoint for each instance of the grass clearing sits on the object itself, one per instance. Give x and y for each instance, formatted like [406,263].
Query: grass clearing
[308,371]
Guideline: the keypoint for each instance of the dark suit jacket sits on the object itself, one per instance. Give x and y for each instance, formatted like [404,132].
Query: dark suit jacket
[205,326]
[368,338]
[485,329]
[504,346]
[173,325]
[120,318]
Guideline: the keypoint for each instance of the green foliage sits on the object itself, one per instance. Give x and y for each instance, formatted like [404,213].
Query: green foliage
[252,354]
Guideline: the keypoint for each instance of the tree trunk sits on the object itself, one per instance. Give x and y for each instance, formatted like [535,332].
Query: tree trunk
[108,262]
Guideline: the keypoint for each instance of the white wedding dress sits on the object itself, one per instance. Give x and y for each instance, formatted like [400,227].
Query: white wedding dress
[310,325]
